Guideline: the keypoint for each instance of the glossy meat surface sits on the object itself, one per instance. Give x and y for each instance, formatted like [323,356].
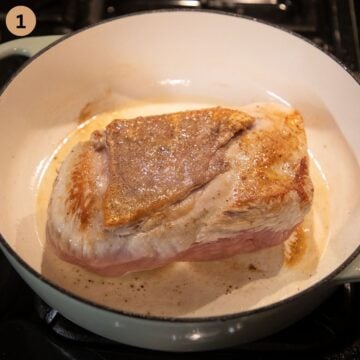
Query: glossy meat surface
[236,182]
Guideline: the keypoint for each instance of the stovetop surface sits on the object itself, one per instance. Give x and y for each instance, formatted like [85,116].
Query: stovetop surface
[29,329]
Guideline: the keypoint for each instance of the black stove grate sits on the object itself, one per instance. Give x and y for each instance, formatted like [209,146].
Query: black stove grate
[31,329]
[331,24]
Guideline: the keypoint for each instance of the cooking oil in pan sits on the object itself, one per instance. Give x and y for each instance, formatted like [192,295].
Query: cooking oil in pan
[193,289]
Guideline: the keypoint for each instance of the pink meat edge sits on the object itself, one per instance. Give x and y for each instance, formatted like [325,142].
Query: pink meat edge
[244,242]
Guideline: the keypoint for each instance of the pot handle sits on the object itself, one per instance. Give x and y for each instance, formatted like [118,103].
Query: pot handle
[350,274]
[26,46]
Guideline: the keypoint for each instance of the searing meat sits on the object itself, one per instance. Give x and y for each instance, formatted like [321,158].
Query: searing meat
[189,186]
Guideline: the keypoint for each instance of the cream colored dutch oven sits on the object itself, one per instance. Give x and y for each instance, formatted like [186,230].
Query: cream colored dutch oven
[161,61]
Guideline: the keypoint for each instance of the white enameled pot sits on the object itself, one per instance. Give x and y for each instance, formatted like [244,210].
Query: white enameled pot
[180,57]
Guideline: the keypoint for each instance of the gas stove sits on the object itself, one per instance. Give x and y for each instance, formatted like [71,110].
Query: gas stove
[29,328]
[332,25]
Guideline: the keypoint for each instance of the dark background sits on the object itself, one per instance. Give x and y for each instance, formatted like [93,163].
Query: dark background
[331,24]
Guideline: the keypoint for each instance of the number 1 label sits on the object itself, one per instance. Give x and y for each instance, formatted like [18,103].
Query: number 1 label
[21,22]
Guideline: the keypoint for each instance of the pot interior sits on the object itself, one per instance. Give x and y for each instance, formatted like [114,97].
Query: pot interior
[162,62]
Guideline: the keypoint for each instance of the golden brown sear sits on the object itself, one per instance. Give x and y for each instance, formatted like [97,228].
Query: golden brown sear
[156,161]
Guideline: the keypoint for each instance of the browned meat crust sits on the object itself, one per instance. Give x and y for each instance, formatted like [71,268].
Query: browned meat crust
[156,161]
